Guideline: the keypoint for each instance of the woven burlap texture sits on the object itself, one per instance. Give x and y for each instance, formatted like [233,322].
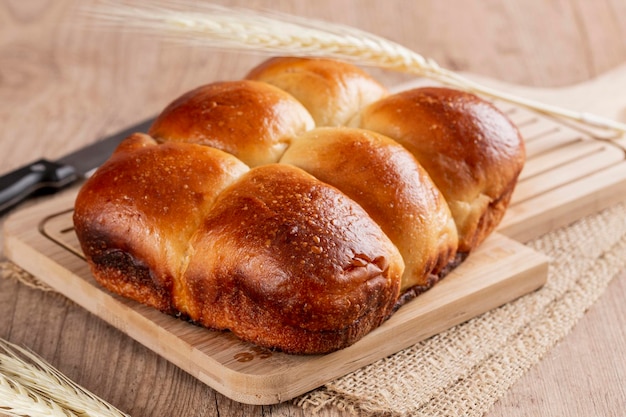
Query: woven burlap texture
[465,370]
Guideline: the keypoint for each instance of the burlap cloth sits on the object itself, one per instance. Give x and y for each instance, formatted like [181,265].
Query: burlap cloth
[465,370]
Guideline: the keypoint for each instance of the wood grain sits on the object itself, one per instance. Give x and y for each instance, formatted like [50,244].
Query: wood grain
[61,88]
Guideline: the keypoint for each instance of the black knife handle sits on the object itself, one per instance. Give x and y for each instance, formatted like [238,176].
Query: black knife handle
[39,175]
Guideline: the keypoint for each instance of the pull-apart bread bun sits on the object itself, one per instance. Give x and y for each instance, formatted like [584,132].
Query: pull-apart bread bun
[136,214]
[252,120]
[298,208]
[387,181]
[332,91]
[286,260]
[471,150]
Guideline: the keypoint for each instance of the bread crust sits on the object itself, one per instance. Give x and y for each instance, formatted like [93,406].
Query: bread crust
[295,256]
[388,182]
[251,120]
[470,149]
[332,91]
[135,215]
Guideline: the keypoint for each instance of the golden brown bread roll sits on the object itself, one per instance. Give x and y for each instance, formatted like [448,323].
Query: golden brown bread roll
[387,181]
[252,120]
[471,150]
[332,91]
[310,254]
[284,260]
[136,214]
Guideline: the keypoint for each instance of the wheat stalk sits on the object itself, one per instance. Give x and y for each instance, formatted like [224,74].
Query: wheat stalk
[31,387]
[272,33]
[16,400]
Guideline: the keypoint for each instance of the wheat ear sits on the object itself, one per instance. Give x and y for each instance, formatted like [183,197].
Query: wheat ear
[18,401]
[31,387]
[279,34]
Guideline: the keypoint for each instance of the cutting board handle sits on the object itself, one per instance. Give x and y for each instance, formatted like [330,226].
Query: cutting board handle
[604,96]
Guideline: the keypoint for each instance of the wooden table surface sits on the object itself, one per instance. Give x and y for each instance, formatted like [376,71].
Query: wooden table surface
[62,86]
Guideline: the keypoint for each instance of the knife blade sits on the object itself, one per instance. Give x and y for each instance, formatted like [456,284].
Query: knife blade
[50,176]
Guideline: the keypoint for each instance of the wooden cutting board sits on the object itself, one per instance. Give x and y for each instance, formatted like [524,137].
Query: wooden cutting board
[570,173]
[42,241]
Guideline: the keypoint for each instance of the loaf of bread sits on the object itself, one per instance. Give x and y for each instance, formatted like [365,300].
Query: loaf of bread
[300,207]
